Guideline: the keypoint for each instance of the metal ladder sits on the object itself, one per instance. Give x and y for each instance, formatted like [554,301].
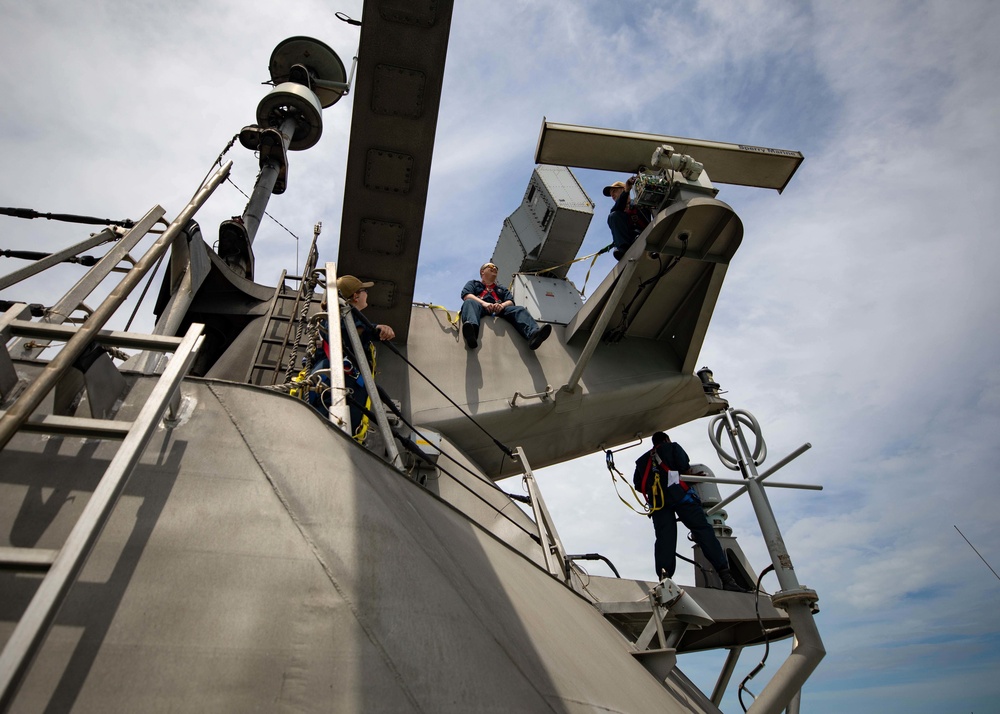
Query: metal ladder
[62,566]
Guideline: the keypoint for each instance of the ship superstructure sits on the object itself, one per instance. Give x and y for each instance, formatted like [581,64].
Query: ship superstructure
[190,533]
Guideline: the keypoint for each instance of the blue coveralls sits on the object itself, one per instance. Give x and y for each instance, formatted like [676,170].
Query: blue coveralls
[626,222]
[518,316]
[676,500]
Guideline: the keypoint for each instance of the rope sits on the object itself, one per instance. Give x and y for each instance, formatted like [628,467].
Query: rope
[503,447]
[609,460]
[451,320]
[602,251]
[562,265]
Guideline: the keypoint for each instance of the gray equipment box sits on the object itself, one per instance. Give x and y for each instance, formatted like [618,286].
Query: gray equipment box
[548,227]
[553,300]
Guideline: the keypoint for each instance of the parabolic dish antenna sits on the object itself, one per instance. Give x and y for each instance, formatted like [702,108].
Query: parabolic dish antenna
[324,66]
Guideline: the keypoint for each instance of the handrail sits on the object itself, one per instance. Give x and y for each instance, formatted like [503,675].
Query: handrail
[29,400]
[555,563]
[366,374]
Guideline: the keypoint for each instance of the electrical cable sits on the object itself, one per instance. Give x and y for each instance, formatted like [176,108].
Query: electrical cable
[67,217]
[618,333]
[767,641]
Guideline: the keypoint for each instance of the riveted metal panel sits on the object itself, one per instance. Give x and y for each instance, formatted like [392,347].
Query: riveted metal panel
[411,35]
[383,237]
[398,91]
[382,293]
[388,171]
[409,12]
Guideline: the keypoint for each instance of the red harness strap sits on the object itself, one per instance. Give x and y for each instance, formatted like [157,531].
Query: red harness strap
[491,292]
[645,476]
[649,464]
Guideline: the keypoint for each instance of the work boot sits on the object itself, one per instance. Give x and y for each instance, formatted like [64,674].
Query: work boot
[541,334]
[729,583]
[470,332]
[618,254]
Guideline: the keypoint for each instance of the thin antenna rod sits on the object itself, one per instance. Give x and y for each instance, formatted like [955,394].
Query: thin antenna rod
[977,552]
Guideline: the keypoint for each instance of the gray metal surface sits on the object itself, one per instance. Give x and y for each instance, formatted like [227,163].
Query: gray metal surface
[625,603]
[259,559]
[624,151]
[546,231]
[547,299]
[33,625]
[634,387]
[676,308]
[396,96]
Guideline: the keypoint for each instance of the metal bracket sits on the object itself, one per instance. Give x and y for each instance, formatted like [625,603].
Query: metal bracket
[545,396]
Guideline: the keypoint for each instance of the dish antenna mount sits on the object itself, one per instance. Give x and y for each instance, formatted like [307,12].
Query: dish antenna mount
[307,76]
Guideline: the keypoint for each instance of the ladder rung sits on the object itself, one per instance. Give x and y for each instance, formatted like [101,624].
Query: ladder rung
[27,558]
[46,331]
[76,426]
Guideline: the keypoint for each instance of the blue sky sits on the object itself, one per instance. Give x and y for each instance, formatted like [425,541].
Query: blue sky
[859,314]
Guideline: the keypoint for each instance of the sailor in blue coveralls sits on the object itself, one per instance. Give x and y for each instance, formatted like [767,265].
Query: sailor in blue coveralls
[485,296]
[657,477]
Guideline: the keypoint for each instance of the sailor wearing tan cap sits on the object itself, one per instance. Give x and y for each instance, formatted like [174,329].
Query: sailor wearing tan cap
[355,292]
[626,220]
[486,296]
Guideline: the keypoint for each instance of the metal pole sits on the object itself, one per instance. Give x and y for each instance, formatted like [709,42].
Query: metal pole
[762,507]
[795,704]
[602,322]
[254,212]
[89,282]
[733,482]
[27,271]
[35,393]
[340,413]
[793,598]
[725,675]
[366,375]
[739,492]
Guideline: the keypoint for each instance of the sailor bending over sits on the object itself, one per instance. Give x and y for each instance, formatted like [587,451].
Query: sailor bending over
[626,220]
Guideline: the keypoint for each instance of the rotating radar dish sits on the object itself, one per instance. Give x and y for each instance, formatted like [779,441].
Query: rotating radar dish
[328,78]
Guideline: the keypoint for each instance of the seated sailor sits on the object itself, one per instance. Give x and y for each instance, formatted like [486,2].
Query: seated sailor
[355,292]
[486,296]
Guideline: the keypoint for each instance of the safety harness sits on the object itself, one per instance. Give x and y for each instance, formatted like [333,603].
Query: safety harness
[491,291]
[657,490]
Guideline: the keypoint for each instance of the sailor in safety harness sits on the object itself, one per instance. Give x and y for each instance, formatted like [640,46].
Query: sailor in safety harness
[657,478]
[485,296]
[355,292]
[626,220]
